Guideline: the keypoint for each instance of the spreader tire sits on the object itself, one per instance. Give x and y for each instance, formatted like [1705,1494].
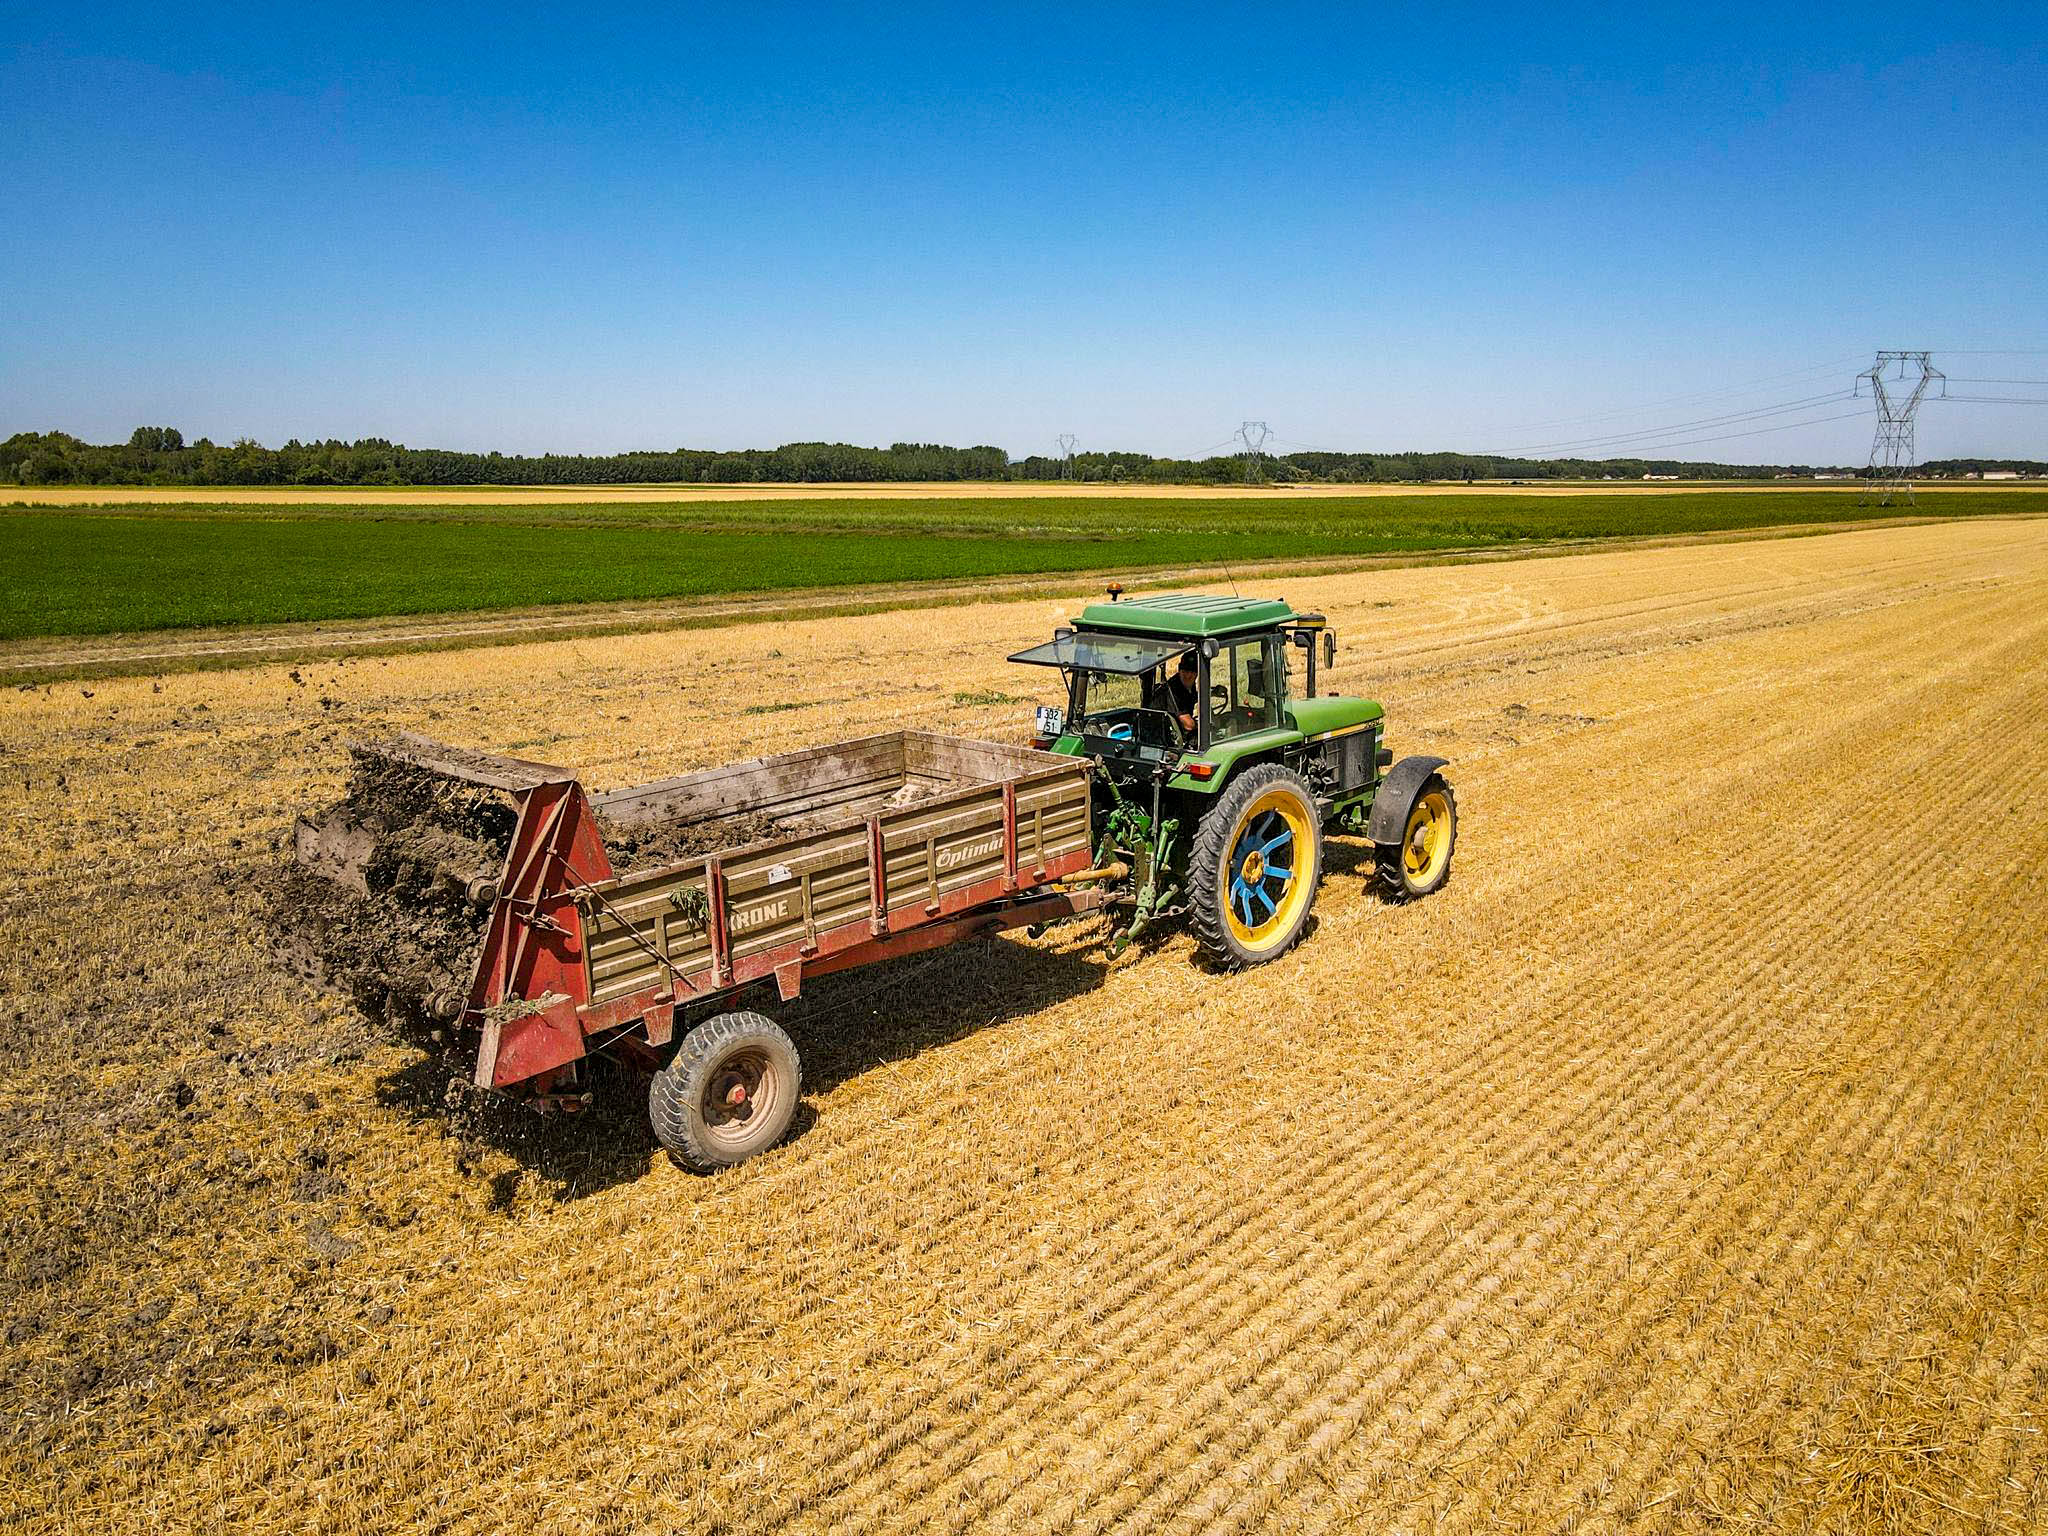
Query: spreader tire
[1421,861]
[730,1092]
[1246,905]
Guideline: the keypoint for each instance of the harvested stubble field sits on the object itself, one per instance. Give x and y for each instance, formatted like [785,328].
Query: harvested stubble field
[1682,1166]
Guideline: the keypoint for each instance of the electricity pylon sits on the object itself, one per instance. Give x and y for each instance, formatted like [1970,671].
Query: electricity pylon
[1253,435]
[1067,440]
[1891,451]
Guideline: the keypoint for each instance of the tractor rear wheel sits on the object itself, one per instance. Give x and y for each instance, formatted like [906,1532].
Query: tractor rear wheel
[730,1092]
[1254,866]
[1421,861]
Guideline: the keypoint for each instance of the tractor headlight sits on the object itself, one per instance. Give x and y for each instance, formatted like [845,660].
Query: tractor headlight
[1051,722]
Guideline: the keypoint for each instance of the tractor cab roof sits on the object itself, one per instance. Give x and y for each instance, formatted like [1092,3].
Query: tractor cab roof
[1190,616]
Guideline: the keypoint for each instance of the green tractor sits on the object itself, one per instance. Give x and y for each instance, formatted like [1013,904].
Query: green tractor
[1217,780]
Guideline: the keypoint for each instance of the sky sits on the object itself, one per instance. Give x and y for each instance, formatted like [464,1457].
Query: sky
[1373,228]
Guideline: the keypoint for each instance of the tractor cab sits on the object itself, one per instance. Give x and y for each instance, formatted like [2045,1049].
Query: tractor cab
[1219,767]
[1127,706]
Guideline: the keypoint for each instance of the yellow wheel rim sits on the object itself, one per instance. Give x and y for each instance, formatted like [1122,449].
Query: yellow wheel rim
[1269,872]
[1426,845]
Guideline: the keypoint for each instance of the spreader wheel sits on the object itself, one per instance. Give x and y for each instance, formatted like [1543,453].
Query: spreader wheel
[1421,861]
[730,1092]
[1253,868]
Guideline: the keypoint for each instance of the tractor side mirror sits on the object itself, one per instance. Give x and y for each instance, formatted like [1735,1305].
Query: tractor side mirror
[1329,649]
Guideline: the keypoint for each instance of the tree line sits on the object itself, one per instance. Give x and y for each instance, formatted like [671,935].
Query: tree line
[161,456]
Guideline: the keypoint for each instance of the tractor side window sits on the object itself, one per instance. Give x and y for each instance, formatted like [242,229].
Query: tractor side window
[1259,686]
[1251,702]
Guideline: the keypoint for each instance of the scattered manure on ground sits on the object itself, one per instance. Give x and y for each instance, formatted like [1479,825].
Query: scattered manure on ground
[429,851]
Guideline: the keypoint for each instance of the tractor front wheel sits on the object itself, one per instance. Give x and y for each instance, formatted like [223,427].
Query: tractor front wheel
[730,1092]
[1421,861]
[1254,866]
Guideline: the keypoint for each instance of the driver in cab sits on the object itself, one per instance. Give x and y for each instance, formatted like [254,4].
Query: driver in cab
[1179,697]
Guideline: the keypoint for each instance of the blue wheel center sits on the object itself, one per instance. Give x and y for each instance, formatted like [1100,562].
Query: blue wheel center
[1262,861]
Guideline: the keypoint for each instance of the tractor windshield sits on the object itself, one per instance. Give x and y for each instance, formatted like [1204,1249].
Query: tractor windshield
[1130,654]
[1116,688]
[1124,711]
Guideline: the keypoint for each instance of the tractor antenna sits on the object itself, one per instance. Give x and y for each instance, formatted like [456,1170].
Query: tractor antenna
[1253,435]
[1898,397]
[1066,440]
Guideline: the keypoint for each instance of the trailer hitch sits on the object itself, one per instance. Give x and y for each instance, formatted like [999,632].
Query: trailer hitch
[1157,890]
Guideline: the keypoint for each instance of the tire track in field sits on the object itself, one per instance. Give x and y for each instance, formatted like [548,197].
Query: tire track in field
[1589,639]
[1809,588]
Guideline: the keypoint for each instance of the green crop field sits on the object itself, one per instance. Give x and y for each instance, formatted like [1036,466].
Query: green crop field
[130,569]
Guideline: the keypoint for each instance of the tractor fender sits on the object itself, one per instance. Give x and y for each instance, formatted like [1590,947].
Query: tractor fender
[1396,796]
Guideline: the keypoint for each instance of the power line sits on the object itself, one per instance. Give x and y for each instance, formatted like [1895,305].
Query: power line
[1689,399]
[1666,430]
[1645,449]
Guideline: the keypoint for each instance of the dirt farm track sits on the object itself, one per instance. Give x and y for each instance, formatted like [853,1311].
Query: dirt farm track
[1682,1166]
[893,490]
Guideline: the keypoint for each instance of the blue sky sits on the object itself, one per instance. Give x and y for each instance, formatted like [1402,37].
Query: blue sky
[1440,227]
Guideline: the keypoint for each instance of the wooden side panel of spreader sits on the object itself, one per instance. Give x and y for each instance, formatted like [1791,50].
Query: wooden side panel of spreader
[1016,818]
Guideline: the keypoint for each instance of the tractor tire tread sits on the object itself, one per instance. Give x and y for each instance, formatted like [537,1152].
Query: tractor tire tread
[1205,863]
[1387,856]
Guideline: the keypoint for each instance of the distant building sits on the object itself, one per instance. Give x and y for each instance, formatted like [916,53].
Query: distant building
[1999,474]
[1660,477]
